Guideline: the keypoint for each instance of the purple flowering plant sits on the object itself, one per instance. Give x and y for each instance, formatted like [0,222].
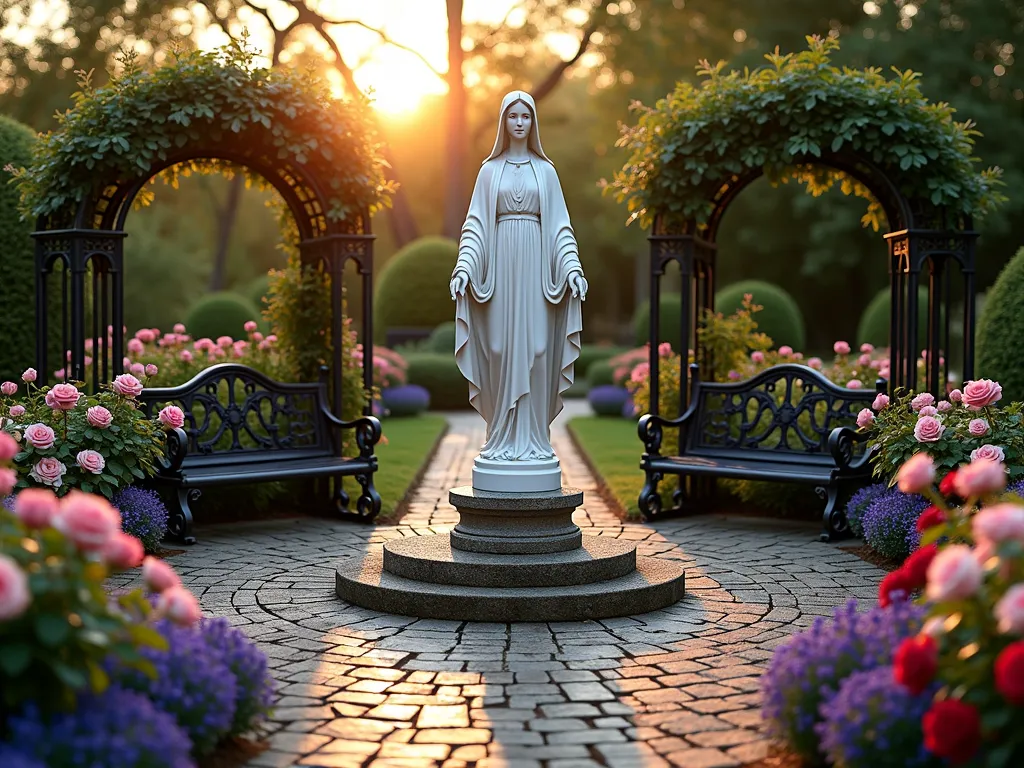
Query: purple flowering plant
[890,523]
[858,504]
[143,515]
[254,686]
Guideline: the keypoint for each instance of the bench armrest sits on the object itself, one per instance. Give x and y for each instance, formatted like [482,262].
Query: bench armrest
[175,452]
[841,444]
[651,428]
[368,431]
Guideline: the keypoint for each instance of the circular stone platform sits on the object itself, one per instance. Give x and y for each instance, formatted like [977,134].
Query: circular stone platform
[512,557]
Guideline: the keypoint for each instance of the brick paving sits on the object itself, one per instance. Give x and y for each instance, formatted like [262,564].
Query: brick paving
[678,687]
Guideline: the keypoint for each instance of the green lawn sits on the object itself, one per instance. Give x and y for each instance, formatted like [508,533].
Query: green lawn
[614,450]
[410,442]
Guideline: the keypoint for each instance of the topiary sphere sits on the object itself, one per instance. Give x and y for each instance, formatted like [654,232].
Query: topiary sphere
[873,327]
[608,400]
[256,289]
[405,400]
[781,317]
[669,319]
[441,377]
[1000,328]
[412,290]
[600,373]
[220,314]
[442,339]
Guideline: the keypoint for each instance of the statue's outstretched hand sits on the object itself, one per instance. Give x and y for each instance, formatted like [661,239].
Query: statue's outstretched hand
[578,285]
[458,284]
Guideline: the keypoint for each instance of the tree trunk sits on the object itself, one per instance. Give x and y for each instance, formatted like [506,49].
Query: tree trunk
[225,225]
[400,218]
[457,136]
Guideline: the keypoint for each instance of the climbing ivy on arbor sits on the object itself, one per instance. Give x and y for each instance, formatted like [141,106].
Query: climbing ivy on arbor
[206,100]
[785,119]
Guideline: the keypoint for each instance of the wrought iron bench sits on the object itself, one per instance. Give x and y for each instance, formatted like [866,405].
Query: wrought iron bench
[786,424]
[243,427]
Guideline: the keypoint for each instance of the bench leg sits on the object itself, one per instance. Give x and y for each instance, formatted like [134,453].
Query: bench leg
[650,501]
[179,527]
[833,519]
[368,503]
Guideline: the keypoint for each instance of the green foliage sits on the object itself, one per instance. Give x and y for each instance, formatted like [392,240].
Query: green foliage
[441,377]
[1000,329]
[780,498]
[412,291]
[599,373]
[220,314]
[593,353]
[257,289]
[442,339]
[670,312]
[730,340]
[780,316]
[205,101]
[873,327]
[785,117]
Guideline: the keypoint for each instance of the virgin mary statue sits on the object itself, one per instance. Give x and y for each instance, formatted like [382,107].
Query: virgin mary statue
[518,286]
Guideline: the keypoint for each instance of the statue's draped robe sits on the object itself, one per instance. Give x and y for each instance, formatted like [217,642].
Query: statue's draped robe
[517,326]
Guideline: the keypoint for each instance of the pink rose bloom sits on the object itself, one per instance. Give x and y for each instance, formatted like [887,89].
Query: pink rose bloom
[944,405]
[1009,611]
[867,348]
[865,418]
[854,384]
[14,593]
[158,575]
[664,349]
[875,365]
[91,461]
[864,361]
[979,478]
[17,411]
[238,348]
[640,373]
[99,417]
[881,402]
[40,436]
[916,474]
[785,351]
[8,479]
[169,339]
[36,507]
[224,341]
[928,410]
[172,416]
[978,427]
[883,372]
[257,337]
[272,338]
[180,606]
[988,453]
[185,356]
[29,375]
[152,370]
[919,402]
[127,385]
[8,447]
[126,362]
[87,360]
[8,388]
[137,369]
[89,521]
[179,327]
[928,429]
[49,471]
[145,335]
[123,551]
[265,345]
[798,355]
[978,394]
[63,397]
[136,347]
[841,348]
[251,326]
[1000,522]
[954,574]
[202,344]
[757,356]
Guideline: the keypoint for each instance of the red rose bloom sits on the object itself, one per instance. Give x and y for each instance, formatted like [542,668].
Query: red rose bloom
[946,486]
[1009,672]
[931,517]
[916,566]
[915,663]
[896,581]
[952,729]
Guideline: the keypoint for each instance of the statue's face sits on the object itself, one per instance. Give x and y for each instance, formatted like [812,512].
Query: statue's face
[518,120]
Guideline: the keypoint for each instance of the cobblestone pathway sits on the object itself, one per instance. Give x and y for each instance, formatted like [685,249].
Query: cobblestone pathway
[676,687]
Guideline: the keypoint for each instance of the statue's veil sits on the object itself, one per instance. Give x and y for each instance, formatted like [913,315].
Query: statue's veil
[533,141]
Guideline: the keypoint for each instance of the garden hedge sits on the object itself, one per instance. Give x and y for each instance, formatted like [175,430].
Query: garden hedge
[412,291]
[441,377]
[873,327]
[781,317]
[442,339]
[17,265]
[669,318]
[221,314]
[256,289]
[1000,328]
[592,353]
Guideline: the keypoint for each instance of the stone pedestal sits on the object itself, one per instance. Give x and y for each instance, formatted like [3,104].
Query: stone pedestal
[512,557]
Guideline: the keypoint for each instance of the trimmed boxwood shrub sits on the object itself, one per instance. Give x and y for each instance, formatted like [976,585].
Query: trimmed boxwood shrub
[669,318]
[873,327]
[441,377]
[781,317]
[608,400]
[406,400]
[600,373]
[592,353]
[412,291]
[1000,329]
[221,314]
[442,339]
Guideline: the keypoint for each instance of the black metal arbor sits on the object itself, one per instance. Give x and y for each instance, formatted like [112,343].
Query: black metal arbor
[83,244]
[925,244]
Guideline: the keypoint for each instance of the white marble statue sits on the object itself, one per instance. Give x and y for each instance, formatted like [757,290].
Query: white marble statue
[518,287]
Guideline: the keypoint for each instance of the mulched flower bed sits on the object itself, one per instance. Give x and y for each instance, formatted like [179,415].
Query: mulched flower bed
[864,552]
[234,753]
